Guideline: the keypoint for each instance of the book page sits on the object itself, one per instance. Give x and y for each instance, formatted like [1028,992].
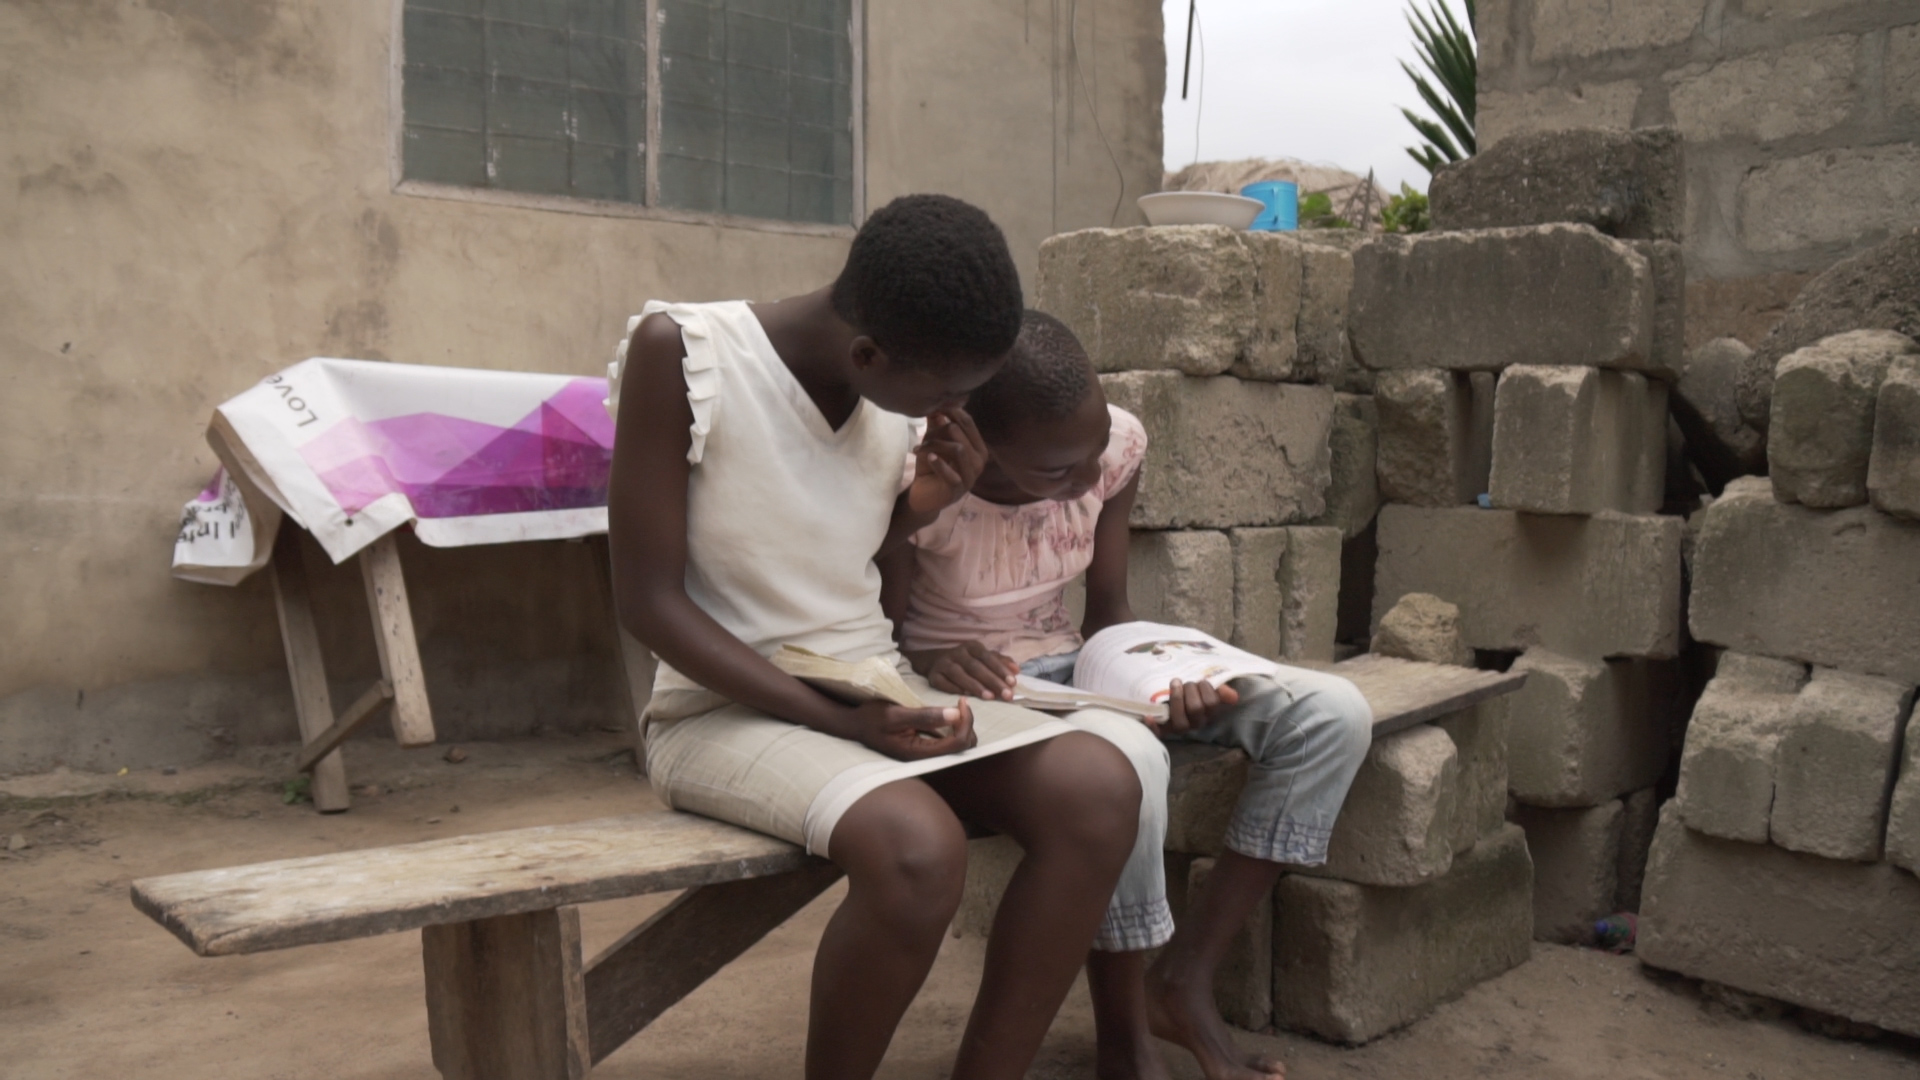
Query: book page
[1046,696]
[1140,660]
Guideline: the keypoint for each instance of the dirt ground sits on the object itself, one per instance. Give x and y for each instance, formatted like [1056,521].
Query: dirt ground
[91,988]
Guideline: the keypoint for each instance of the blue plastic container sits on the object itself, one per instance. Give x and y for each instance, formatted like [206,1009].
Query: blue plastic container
[1283,205]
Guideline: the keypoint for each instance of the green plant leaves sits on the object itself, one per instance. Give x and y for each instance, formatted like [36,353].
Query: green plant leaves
[1446,51]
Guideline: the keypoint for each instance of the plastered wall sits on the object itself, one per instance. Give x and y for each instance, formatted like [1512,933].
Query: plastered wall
[200,192]
[1802,122]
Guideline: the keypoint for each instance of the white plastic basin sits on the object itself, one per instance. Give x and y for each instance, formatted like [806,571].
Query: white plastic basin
[1200,208]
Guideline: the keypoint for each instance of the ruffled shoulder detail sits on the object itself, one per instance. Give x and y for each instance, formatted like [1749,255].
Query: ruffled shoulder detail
[700,367]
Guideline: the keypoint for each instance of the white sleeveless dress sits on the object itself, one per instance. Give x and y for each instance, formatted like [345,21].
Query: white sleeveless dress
[784,515]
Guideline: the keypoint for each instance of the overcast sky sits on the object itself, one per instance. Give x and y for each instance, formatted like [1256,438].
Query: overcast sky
[1318,80]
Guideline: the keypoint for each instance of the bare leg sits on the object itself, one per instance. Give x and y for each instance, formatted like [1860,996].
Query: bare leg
[1123,1038]
[905,854]
[1073,804]
[1180,986]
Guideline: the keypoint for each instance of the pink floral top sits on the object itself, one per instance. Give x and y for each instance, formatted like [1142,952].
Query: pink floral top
[999,574]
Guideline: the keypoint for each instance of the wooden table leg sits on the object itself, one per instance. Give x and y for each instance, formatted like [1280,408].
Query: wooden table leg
[393,633]
[311,701]
[505,997]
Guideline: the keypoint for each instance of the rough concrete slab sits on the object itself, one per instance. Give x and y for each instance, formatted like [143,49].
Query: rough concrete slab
[1141,299]
[1586,731]
[1727,766]
[1398,824]
[1627,184]
[1570,440]
[1480,738]
[1480,301]
[1257,593]
[1204,789]
[1353,962]
[1835,588]
[1422,626]
[1639,816]
[1326,291]
[1182,578]
[1712,380]
[1893,472]
[1608,585]
[1820,437]
[1435,435]
[1878,289]
[1835,765]
[1272,349]
[1576,868]
[1309,592]
[1842,938]
[1243,984]
[1227,452]
[1353,493]
[1903,810]
[1667,263]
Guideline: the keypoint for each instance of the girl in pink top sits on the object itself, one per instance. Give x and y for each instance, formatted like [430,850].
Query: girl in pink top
[979,597]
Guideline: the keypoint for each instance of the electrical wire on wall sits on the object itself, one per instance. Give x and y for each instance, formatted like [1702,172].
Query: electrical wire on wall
[1194,27]
[1093,106]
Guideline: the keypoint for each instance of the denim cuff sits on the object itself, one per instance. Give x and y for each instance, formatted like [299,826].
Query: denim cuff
[1280,841]
[1132,927]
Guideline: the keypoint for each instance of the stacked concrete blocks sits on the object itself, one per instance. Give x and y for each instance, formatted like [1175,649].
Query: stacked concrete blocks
[1821,435]
[1578,440]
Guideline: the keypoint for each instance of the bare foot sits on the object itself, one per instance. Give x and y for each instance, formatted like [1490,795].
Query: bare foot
[1186,1014]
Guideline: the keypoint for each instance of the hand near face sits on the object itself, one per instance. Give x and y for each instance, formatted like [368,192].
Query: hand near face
[947,461]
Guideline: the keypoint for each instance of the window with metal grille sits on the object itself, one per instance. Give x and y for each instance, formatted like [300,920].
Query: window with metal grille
[737,107]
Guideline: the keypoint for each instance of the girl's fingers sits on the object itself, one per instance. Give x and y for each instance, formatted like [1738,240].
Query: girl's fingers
[988,676]
[962,679]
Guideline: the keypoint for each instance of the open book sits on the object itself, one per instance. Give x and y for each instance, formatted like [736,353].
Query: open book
[1129,667]
[852,681]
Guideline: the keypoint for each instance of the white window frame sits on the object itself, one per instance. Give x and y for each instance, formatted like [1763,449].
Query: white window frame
[569,204]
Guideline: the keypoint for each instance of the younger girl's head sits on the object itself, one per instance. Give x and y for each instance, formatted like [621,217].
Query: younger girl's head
[1043,416]
[932,293]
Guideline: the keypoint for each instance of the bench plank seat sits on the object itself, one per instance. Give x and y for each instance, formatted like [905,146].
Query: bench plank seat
[356,894]
[1408,692]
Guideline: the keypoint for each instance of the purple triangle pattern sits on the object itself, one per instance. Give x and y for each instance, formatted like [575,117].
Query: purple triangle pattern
[555,458]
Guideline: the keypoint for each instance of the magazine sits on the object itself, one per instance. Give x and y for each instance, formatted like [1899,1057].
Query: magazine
[1138,661]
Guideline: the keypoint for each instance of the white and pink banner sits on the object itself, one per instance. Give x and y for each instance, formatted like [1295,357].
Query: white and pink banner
[353,449]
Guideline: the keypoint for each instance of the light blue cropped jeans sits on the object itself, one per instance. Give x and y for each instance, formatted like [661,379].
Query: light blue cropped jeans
[1305,733]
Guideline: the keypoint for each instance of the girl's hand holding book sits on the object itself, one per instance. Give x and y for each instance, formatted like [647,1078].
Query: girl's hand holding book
[1195,704]
[912,734]
[947,461]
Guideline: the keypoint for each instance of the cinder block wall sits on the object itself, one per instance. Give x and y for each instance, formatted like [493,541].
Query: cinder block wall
[1801,120]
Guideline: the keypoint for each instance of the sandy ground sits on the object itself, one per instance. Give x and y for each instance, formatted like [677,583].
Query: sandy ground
[91,988]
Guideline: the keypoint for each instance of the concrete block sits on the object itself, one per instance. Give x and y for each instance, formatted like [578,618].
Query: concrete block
[1353,962]
[1878,289]
[1399,822]
[1480,737]
[1842,938]
[1353,493]
[1326,291]
[1139,299]
[1435,436]
[1639,816]
[1727,766]
[1608,585]
[1578,441]
[1565,104]
[1243,983]
[1903,811]
[1479,301]
[1226,452]
[1820,437]
[1422,627]
[1309,593]
[1571,29]
[1797,89]
[1835,765]
[1835,588]
[1182,578]
[1667,263]
[1576,868]
[1830,198]
[1257,594]
[1903,68]
[1272,350]
[1204,789]
[1712,382]
[1586,731]
[1893,474]
[1627,184]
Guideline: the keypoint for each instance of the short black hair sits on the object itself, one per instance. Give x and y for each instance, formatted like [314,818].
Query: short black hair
[929,277]
[1046,378]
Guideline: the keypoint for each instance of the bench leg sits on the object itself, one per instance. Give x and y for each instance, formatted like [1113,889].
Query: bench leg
[667,957]
[505,997]
[312,702]
[393,633]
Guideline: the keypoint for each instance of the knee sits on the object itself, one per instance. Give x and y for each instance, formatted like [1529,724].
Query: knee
[913,858]
[1144,751]
[1098,792]
[1341,726]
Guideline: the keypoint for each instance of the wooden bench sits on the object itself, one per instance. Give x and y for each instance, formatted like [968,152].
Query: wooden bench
[509,994]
